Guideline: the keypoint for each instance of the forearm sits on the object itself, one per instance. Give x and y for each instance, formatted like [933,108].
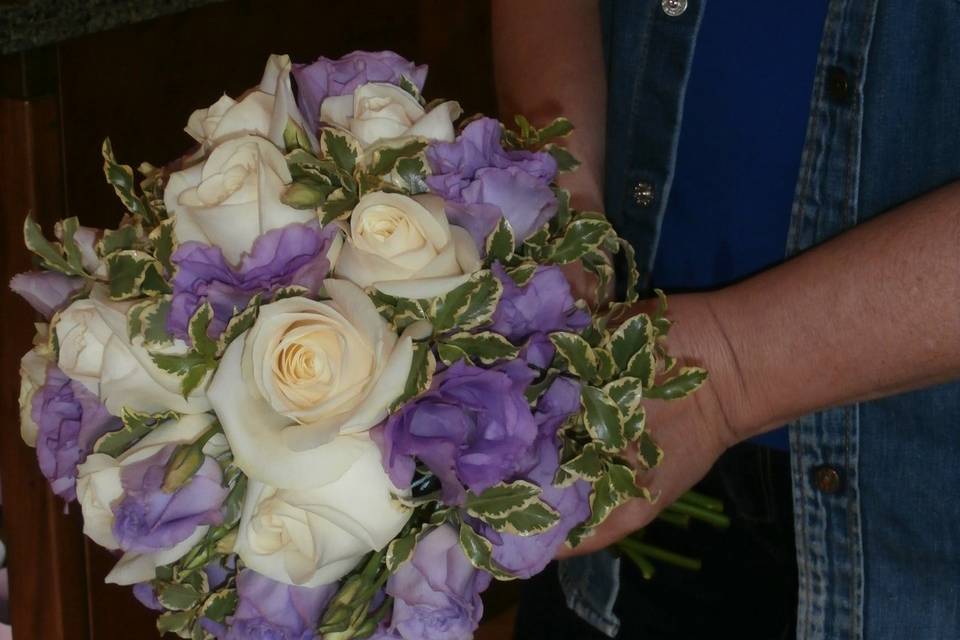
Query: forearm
[872,312]
[548,62]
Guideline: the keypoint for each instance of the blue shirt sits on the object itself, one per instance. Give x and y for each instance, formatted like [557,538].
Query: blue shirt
[744,122]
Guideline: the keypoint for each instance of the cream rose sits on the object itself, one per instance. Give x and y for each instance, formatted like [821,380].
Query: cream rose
[379,111]
[33,375]
[405,247]
[306,372]
[263,111]
[96,350]
[99,487]
[233,197]
[315,536]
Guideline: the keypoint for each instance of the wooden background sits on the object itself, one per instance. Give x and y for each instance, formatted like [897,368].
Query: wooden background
[138,84]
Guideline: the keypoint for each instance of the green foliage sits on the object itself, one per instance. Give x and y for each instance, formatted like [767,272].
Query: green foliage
[500,243]
[135,426]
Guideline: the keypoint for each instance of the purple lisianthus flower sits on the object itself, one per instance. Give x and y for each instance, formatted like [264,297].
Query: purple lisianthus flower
[472,429]
[147,596]
[543,305]
[46,291]
[482,182]
[526,556]
[293,255]
[270,610]
[436,595]
[148,519]
[326,77]
[69,421]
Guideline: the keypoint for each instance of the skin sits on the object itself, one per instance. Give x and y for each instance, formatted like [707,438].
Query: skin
[870,313]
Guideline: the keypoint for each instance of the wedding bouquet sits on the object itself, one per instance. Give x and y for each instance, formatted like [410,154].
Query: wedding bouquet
[326,378]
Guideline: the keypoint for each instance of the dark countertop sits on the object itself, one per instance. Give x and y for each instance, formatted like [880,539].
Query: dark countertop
[26,24]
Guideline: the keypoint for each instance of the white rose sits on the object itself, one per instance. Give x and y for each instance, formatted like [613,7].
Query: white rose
[233,197]
[264,111]
[315,536]
[99,487]
[96,350]
[33,375]
[306,372]
[380,111]
[405,247]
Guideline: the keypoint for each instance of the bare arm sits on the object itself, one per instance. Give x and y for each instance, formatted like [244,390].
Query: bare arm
[549,62]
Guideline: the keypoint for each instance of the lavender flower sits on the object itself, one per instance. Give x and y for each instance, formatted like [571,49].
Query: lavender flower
[293,255]
[148,519]
[46,291]
[543,305]
[436,595]
[326,77]
[69,421]
[482,182]
[472,429]
[270,610]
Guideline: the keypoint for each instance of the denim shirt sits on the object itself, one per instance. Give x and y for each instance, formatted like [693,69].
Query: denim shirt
[877,518]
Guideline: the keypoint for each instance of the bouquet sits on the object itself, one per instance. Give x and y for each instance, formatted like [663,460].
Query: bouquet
[326,378]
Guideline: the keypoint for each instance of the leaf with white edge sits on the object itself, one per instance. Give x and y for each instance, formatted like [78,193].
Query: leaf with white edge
[499,244]
[643,366]
[450,354]
[198,329]
[412,175]
[634,424]
[177,597]
[603,500]
[536,389]
[623,480]
[589,465]
[219,605]
[487,347]
[383,159]
[536,245]
[576,353]
[135,426]
[683,383]
[401,549]
[536,517]
[421,374]
[649,454]
[154,323]
[174,622]
[605,365]
[558,128]
[479,552]
[239,323]
[191,367]
[163,243]
[469,305]
[599,264]
[633,275]
[118,239]
[66,230]
[129,270]
[566,161]
[660,321]
[602,418]
[626,392]
[338,205]
[290,291]
[340,147]
[120,177]
[50,254]
[634,334]
[407,85]
[562,217]
[522,273]
[501,499]
[584,234]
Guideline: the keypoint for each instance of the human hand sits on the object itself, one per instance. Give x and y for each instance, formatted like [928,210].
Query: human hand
[692,432]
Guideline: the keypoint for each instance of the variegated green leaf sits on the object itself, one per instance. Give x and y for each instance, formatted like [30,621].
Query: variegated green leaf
[340,147]
[486,347]
[479,551]
[135,426]
[633,275]
[450,354]
[626,392]
[468,306]
[603,419]
[163,243]
[118,239]
[500,243]
[643,366]
[576,353]
[623,481]
[588,465]
[634,424]
[532,519]
[420,376]
[219,605]
[634,334]
[501,499]
[649,454]
[584,234]
[198,328]
[522,273]
[51,255]
[606,368]
[175,622]
[686,381]
[177,597]
[120,177]
[238,324]
[383,159]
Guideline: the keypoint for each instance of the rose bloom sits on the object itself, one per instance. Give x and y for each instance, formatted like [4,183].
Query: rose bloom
[404,246]
[379,111]
[314,536]
[263,111]
[96,350]
[306,372]
[233,197]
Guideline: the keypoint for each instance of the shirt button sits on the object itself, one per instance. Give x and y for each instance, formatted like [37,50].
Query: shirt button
[838,85]
[827,479]
[673,8]
[644,194]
